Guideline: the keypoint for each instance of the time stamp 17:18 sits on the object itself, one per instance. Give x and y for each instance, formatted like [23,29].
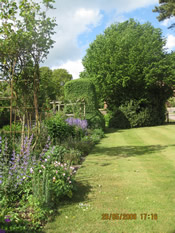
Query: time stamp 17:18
[117,216]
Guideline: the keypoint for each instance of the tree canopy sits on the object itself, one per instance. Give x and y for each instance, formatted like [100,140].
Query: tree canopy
[25,41]
[128,62]
[166,10]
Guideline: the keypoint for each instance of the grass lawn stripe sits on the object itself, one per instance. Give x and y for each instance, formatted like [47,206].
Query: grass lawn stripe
[130,171]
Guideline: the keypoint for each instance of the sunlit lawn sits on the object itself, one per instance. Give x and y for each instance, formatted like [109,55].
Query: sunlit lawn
[130,171]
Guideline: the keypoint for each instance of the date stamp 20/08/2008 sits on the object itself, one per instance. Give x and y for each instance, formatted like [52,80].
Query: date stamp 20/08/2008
[117,216]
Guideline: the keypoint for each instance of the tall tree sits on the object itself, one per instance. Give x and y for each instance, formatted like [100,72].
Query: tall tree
[128,62]
[25,42]
[166,10]
[60,77]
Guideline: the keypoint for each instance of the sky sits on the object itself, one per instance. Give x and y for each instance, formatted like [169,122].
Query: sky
[80,21]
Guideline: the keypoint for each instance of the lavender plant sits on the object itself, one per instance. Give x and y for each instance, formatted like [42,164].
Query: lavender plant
[32,183]
[18,169]
[77,122]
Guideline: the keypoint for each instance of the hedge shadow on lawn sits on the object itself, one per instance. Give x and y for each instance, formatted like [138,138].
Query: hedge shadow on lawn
[129,151]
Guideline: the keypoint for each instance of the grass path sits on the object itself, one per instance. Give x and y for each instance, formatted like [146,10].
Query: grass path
[130,171]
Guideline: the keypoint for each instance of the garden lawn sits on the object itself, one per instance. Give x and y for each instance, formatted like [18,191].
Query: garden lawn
[130,171]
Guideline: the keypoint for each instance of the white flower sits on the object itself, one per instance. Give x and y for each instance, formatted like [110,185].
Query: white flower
[70,181]
[45,160]
[64,174]
[54,179]
[31,170]
[40,171]
[24,177]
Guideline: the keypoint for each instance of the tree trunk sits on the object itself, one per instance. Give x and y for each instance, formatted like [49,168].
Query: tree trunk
[35,93]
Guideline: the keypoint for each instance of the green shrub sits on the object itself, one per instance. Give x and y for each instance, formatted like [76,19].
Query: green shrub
[135,114]
[11,140]
[119,120]
[58,129]
[73,157]
[171,101]
[95,120]
[65,155]
[84,146]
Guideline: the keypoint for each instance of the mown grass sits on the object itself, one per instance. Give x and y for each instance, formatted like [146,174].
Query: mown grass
[130,171]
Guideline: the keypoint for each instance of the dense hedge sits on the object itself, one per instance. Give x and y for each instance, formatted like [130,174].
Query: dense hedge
[84,89]
[133,114]
[80,89]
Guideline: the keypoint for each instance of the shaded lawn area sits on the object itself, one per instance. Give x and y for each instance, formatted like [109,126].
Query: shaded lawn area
[129,172]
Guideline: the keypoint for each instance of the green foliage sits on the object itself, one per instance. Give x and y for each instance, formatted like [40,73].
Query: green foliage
[97,135]
[135,114]
[31,187]
[166,10]
[46,87]
[85,145]
[58,129]
[171,101]
[81,89]
[95,120]
[119,120]
[65,155]
[23,49]
[128,62]
[60,77]
[4,112]
[107,117]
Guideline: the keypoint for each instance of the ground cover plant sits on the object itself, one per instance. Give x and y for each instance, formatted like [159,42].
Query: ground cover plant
[130,171]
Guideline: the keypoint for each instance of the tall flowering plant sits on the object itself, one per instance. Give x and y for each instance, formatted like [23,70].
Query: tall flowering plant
[52,179]
[77,122]
[80,126]
[16,173]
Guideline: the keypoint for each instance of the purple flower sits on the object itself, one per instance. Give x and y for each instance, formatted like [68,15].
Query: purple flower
[77,122]
[2,231]
[7,219]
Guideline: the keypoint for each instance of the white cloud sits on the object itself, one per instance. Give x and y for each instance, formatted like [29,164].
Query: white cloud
[71,25]
[168,22]
[77,17]
[73,67]
[170,45]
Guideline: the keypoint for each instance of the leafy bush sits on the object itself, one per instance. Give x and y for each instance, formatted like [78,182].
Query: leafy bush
[58,129]
[171,101]
[134,114]
[84,146]
[97,135]
[95,120]
[65,155]
[73,156]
